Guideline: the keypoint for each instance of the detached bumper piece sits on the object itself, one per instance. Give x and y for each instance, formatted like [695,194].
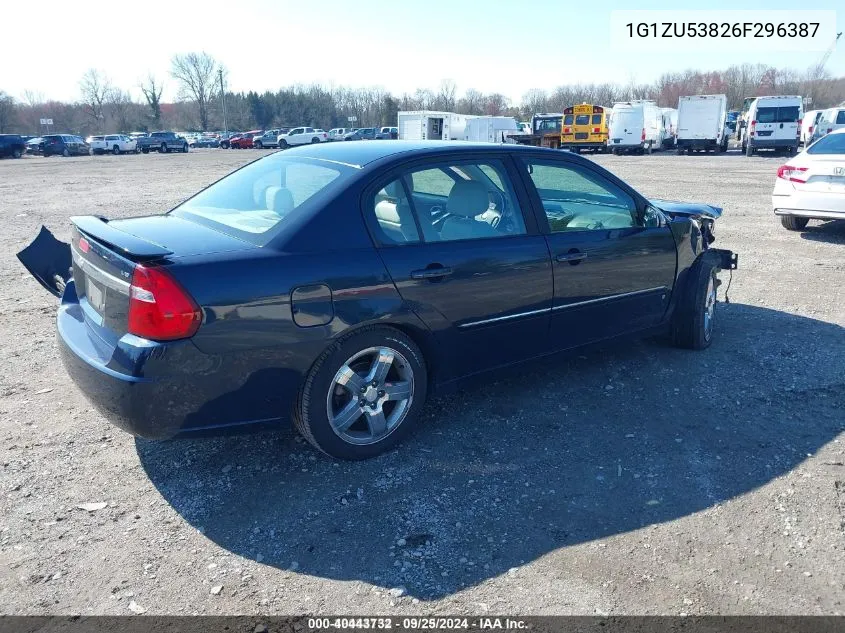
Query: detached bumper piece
[728,260]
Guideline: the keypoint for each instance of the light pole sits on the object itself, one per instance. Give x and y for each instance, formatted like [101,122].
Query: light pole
[223,98]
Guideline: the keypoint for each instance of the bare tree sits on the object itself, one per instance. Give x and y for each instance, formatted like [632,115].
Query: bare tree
[7,111]
[95,89]
[121,105]
[197,74]
[445,99]
[152,90]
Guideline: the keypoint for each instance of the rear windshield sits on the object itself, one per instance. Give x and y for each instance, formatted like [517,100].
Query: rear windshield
[582,119]
[255,202]
[830,144]
[783,114]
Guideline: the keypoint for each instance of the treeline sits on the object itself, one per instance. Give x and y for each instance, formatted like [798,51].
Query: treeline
[103,107]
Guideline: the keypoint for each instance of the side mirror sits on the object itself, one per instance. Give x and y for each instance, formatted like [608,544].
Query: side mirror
[652,217]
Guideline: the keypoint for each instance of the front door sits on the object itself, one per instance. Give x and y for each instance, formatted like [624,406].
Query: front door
[454,239]
[613,267]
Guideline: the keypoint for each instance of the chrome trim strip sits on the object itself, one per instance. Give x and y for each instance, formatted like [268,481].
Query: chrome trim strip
[102,276]
[610,298]
[505,318]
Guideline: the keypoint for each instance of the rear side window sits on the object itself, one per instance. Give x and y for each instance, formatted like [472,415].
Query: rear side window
[255,202]
[830,144]
[840,117]
[782,114]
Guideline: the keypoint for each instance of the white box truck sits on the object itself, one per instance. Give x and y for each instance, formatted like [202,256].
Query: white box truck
[422,125]
[490,129]
[701,123]
[635,126]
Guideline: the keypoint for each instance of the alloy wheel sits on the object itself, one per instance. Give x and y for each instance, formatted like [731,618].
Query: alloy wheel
[709,308]
[370,395]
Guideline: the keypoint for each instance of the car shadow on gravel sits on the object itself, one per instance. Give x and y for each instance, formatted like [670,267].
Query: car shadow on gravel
[551,455]
[832,231]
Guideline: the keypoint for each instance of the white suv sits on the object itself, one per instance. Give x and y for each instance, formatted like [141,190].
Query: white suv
[114,143]
[301,136]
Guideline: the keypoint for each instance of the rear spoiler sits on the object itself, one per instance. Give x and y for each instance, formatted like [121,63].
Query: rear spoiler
[126,244]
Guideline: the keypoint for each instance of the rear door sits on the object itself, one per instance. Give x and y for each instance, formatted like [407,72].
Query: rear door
[484,291]
[777,121]
[614,263]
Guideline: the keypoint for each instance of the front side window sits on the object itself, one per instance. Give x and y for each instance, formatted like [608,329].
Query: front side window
[255,202]
[459,201]
[580,200]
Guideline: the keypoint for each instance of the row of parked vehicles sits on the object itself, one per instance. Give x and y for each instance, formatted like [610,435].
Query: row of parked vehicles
[291,137]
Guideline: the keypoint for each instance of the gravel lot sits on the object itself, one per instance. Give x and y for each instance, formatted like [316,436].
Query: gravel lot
[632,479]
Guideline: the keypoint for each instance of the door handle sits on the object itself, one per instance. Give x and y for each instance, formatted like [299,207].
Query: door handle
[431,273]
[573,257]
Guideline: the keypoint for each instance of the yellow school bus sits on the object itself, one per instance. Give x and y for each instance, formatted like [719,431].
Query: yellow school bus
[584,127]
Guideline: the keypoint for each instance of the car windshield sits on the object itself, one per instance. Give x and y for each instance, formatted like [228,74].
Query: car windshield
[257,201]
[830,144]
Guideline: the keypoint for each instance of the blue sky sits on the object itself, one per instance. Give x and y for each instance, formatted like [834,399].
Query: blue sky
[506,47]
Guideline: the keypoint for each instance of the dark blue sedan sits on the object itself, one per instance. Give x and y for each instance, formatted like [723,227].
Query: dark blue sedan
[340,284]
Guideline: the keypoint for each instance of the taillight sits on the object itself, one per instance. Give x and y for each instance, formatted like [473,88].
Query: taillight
[596,130]
[84,245]
[792,173]
[642,136]
[567,130]
[810,130]
[159,308]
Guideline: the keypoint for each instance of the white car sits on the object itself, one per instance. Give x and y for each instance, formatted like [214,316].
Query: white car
[301,136]
[811,186]
[336,133]
[114,143]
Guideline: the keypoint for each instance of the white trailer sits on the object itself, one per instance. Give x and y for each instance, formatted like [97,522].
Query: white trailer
[490,129]
[701,123]
[421,125]
[635,126]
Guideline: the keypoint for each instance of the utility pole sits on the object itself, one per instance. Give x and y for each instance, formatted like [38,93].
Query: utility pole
[223,98]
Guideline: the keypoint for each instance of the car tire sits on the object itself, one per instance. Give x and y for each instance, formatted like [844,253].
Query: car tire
[326,392]
[283,144]
[692,324]
[315,140]
[185,148]
[65,152]
[793,223]
[145,150]
[749,150]
[259,145]
[16,153]
[163,149]
[115,150]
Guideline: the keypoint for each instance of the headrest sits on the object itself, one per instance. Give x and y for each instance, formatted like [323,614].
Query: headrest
[279,200]
[387,212]
[468,198]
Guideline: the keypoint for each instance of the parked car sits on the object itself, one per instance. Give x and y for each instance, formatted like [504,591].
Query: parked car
[206,141]
[336,134]
[362,134]
[226,137]
[12,145]
[812,184]
[35,145]
[387,133]
[114,143]
[322,135]
[163,142]
[829,120]
[244,141]
[64,145]
[808,126]
[301,136]
[345,283]
[270,138]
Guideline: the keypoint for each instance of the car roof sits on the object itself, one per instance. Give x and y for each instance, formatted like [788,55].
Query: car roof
[361,153]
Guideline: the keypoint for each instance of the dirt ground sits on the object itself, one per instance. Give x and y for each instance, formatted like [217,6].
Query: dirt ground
[636,479]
